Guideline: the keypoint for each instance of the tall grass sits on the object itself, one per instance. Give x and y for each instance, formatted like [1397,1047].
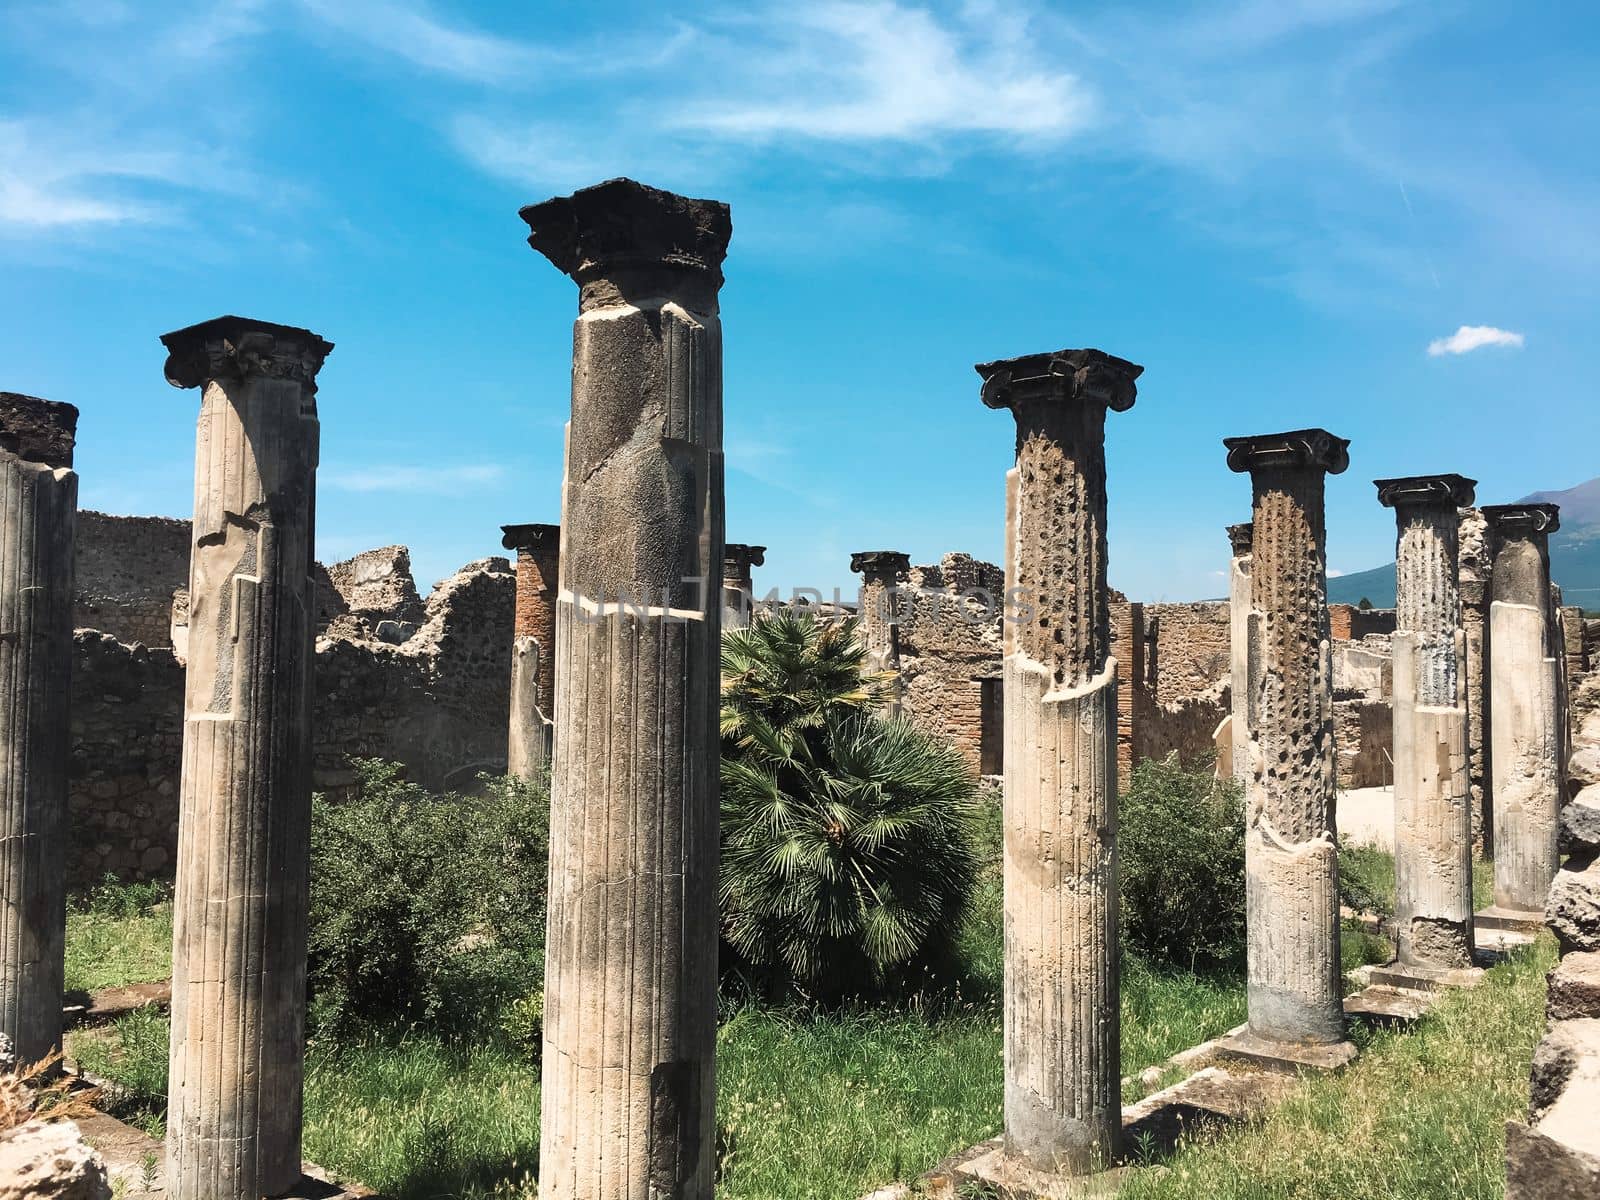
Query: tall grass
[119,934]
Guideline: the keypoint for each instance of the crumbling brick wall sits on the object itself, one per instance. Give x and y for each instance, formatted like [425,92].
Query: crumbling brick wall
[126,570]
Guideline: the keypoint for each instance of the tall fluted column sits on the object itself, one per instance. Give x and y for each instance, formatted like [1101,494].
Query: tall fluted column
[239,933]
[1524,699]
[533,646]
[1239,538]
[38,516]
[1291,845]
[1475,556]
[738,582]
[882,605]
[631,965]
[1432,798]
[1063,1108]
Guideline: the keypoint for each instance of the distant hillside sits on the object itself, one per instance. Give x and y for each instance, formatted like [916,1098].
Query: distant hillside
[1574,554]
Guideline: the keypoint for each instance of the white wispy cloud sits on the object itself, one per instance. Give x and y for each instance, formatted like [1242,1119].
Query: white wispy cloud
[1334,573]
[401,477]
[53,175]
[414,33]
[1473,337]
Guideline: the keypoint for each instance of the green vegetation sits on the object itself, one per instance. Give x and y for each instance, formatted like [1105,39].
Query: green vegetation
[119,934]
[847,838]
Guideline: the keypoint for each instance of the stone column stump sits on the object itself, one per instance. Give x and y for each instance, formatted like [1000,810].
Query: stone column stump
[533,646]
[738,582]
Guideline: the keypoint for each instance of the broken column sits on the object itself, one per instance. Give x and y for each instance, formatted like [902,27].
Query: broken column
[1291,845]
[1063,1109]
[1432,798]
[738,582]
[239,915]
[1239,644]
[1527,734]
[38,516]
[533,646]
[631,965]
[1475,545]
[881,606]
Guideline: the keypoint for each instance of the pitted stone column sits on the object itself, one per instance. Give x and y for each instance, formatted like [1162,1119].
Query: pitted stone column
[631,965]
[882,606]
[1291,844]
[1475,555]
[1239,538]
[1063,1109]
[38,516]
[1524,683]
[1432,798]
[738,583]
[239,932]
[533,646]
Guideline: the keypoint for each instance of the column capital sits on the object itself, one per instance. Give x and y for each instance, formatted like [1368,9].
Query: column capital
[544,539]
[1086,376]
[1242,538]
[1522,520]
[237,348]
[42,431]
[738,558]
[1426,491]
[1303,448]
[624,228]
[881,566]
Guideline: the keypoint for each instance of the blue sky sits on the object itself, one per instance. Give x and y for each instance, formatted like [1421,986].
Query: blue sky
[1279,207]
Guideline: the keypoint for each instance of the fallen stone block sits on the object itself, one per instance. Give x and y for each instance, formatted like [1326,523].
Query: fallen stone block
[1565,1079]
[1572,908]
[1583,768]
[1580,821]
[41,1161]
[1574,987]
[1541,1167]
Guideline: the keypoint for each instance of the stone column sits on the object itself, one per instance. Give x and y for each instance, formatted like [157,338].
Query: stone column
[1432,798]
[737,582]
[239,917]
[533,646]
[1475,546]
[1291,844]
[38,514]
[1527,735]
[631,965]
[1239,538]
[882,606]
[1063,1108]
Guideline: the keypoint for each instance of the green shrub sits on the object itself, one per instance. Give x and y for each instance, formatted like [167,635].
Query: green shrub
[848,839]
[1180,841]
[426,909]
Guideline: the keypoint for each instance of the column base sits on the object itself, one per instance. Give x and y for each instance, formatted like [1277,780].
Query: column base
[1496,919]
[1014,1180]
[1286,1057]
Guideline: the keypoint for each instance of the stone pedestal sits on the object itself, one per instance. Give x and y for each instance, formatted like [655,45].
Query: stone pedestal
[1062,1025]
[533,646]
[1239,538]
[1475,545]
[1432,798]
[631,964]
[239,932]
[38,515]
[881,606]
[738,583]
[1524,684]
[1291,844]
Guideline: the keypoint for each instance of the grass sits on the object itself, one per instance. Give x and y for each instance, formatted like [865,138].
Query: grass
[119,934]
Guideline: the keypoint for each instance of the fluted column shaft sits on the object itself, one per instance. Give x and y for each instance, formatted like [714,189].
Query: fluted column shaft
[1291,846]
[1524,682]
[38,516]
[737,582]
[882,605]
[1473,573]
[631,960]
[533,647]
[1239,537]
[239,933]
[1432,796]
[1063,1109]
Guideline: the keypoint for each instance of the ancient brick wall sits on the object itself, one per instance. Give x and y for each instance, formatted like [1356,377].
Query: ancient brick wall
[1190,651]
[1363,732]
[126,570]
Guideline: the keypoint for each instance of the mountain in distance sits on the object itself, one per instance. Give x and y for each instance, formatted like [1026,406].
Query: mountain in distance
[1574,555]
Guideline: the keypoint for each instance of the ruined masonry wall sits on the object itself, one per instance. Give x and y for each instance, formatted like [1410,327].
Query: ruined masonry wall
[947,645]
[126,571]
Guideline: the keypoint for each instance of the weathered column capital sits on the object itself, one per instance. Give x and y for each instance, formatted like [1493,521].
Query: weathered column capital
[1523,521]
[1241,537]
[621,239]
[738,558]
[238,348]
[41,431]
[538,540]
[1445,492]
[1299,448]
[1085,376]
[881,566]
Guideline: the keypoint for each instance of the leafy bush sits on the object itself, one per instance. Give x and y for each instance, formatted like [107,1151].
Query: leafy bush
[426,909]
[848,839]
[1180,841]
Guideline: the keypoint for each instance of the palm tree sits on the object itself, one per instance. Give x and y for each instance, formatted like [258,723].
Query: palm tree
[847,838]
